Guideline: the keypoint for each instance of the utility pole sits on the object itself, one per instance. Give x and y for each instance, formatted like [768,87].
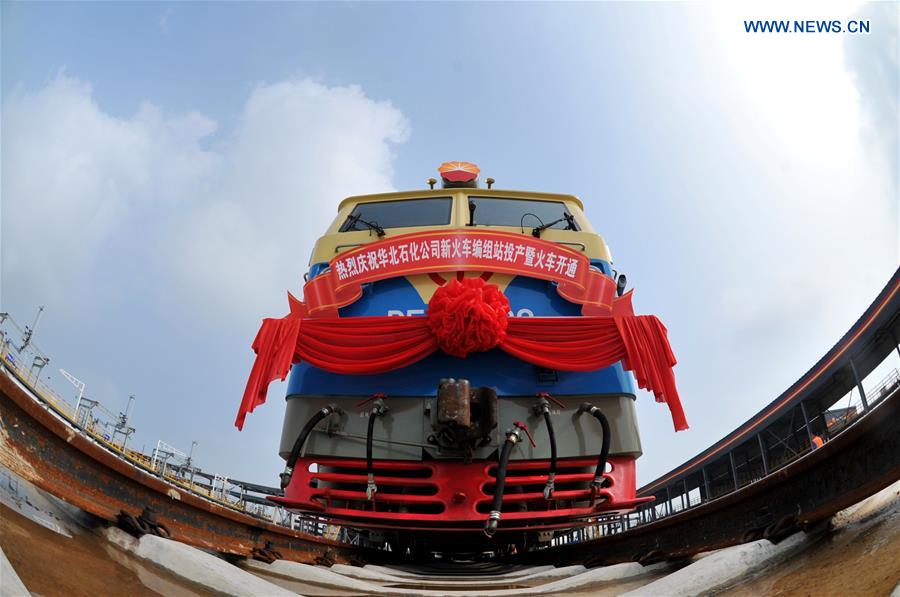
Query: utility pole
[190,462]
[122,424]
[128,408]
[29,331]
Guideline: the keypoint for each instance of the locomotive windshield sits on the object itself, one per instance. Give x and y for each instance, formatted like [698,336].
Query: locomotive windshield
[399,214]
[496,211]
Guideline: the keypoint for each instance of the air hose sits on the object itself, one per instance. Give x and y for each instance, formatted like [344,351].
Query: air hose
[512,438]
[604,449]
[378,409]
[551,476]
[301,440]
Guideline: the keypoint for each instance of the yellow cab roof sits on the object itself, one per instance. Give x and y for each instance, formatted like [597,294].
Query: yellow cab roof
[398,196]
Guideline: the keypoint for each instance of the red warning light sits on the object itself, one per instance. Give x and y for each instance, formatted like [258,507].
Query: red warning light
[459,172]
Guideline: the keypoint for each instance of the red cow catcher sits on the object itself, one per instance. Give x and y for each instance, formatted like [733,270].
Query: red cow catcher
[458,496]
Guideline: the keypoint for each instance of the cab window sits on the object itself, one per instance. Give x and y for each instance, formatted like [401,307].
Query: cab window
[399,214]
[525,213]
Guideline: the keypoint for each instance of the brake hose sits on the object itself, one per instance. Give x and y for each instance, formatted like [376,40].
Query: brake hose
[551,476]
[378,409]
[512,438]
[604,449]
[301,440]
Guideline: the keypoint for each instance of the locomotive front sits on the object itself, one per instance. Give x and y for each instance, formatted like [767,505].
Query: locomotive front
[462,359]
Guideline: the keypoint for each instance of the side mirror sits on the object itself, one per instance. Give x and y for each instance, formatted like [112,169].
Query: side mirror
[621,281]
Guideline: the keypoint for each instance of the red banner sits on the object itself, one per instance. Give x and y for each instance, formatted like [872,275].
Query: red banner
[459,250]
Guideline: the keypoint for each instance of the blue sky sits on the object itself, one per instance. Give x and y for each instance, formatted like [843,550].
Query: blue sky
[166,168]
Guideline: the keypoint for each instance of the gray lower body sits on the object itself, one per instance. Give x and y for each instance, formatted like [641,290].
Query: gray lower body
[404,432]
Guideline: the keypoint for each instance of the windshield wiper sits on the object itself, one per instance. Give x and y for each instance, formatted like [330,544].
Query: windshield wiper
[568,218]
[351,225]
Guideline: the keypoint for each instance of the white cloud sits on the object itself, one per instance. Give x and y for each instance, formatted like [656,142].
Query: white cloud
[71,174]
[790,223]
[224,230]
[164,20]
[817,210]
[298,149]
[874,63]
[787,204]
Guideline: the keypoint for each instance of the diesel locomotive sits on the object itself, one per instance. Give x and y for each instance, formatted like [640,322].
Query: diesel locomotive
[464,358]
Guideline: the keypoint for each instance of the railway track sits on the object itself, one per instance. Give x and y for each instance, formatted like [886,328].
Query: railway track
[864,538]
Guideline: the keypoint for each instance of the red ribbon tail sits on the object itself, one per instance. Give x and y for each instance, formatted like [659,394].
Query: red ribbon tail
[650,357]
[275,346]
[622,306]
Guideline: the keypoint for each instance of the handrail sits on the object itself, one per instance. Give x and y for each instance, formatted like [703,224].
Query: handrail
[65,410]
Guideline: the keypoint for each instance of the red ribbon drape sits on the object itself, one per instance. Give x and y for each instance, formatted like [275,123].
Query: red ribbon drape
[366,345]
